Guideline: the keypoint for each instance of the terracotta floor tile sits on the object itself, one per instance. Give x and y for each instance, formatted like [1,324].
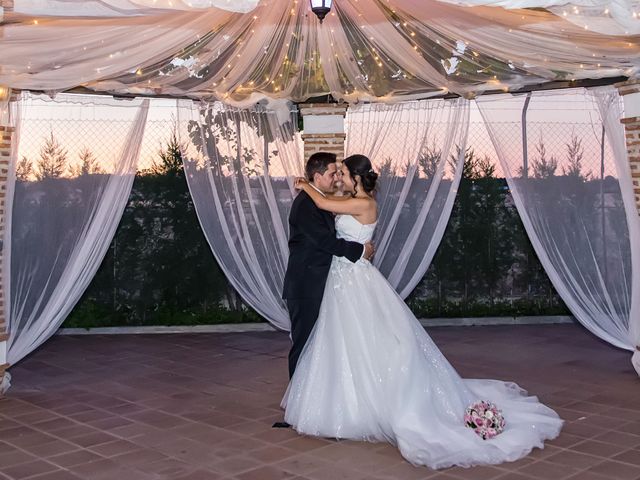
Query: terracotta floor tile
[201,475]
[302,464]
[619,438]
[336,472]
[548,470]
[514,476]
[587,476]
[476,473]
[630,456]
[236,465]
[616,470]
[265,473]
[12,457]
[118,408]
[599,449]
[57,475]
[29,469]
[77,457]
[111,449]
[574,459]
[273,453]
[92,439]
[56,447]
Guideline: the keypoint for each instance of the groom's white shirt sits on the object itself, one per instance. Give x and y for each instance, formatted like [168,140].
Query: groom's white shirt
[364,249]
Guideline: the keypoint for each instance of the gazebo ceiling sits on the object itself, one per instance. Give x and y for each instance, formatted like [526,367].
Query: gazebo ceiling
[380,50]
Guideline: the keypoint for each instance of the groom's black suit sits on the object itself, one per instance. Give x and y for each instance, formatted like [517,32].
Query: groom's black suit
[312,244]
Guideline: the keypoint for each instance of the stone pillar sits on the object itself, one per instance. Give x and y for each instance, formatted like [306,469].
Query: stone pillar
[630,92]
[323,128]
[6,144]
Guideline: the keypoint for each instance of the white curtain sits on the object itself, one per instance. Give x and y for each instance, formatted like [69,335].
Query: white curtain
[366,50]
[617,17]
[120,8]
[418,149]
[239,166]
[564,157]
[74,170]
[611,111]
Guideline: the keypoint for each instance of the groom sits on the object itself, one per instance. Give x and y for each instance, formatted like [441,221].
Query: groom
[312,244]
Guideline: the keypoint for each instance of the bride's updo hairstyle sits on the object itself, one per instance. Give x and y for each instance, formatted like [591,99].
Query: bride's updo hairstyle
[361,165]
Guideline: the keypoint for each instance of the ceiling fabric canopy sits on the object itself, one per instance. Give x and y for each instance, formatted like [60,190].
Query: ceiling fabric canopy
[366,50]
[612,17]
[117,8]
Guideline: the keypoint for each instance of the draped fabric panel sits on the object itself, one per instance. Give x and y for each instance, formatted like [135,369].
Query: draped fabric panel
[240,164]
[365,50]
[64,210]
[576,202]
[617,17]
[121,8]
[418,149]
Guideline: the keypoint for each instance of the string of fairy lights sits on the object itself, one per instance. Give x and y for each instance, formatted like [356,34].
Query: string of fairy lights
[294,59]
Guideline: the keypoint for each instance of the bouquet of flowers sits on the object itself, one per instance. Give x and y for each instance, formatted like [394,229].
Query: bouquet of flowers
[485,419]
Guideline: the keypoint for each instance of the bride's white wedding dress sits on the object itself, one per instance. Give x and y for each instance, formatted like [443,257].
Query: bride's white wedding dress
[369,371]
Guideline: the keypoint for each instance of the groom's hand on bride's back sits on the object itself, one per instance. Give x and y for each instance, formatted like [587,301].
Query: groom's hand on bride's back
[369,250]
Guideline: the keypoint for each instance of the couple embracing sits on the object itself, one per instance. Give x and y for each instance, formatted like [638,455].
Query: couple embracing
[362,367]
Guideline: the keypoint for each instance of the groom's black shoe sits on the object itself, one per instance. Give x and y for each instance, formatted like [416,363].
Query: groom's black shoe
[281,425]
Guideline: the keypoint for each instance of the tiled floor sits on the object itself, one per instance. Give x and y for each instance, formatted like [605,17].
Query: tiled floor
[200,406]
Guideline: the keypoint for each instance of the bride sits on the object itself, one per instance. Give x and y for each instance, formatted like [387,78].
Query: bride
[370,372]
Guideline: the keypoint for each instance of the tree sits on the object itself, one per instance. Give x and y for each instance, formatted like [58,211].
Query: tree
[543,168]
[159,269]
[409,169]
[429,160]
[52,161]
[575,153]
[88,164]
[386,168]
[170,158]
[24,169]
[485,167]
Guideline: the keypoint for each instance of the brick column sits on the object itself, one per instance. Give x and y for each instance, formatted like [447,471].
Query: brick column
[6,138]
[630,92]
[323,128]
[5,6]
[6,144]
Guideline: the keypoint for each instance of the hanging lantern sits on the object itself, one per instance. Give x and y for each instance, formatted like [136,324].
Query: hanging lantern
[321,8]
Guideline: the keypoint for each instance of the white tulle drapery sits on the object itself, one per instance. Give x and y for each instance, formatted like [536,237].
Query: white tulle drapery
[418,149]
[120,8]
[611,17]
[71,187]
[239,165]
[576,202]
[364,50]
[611,111]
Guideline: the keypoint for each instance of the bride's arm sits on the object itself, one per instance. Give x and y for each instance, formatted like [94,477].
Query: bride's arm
[338,198]
[348,206]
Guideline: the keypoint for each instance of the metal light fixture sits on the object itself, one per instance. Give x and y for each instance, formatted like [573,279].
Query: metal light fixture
[321,8]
